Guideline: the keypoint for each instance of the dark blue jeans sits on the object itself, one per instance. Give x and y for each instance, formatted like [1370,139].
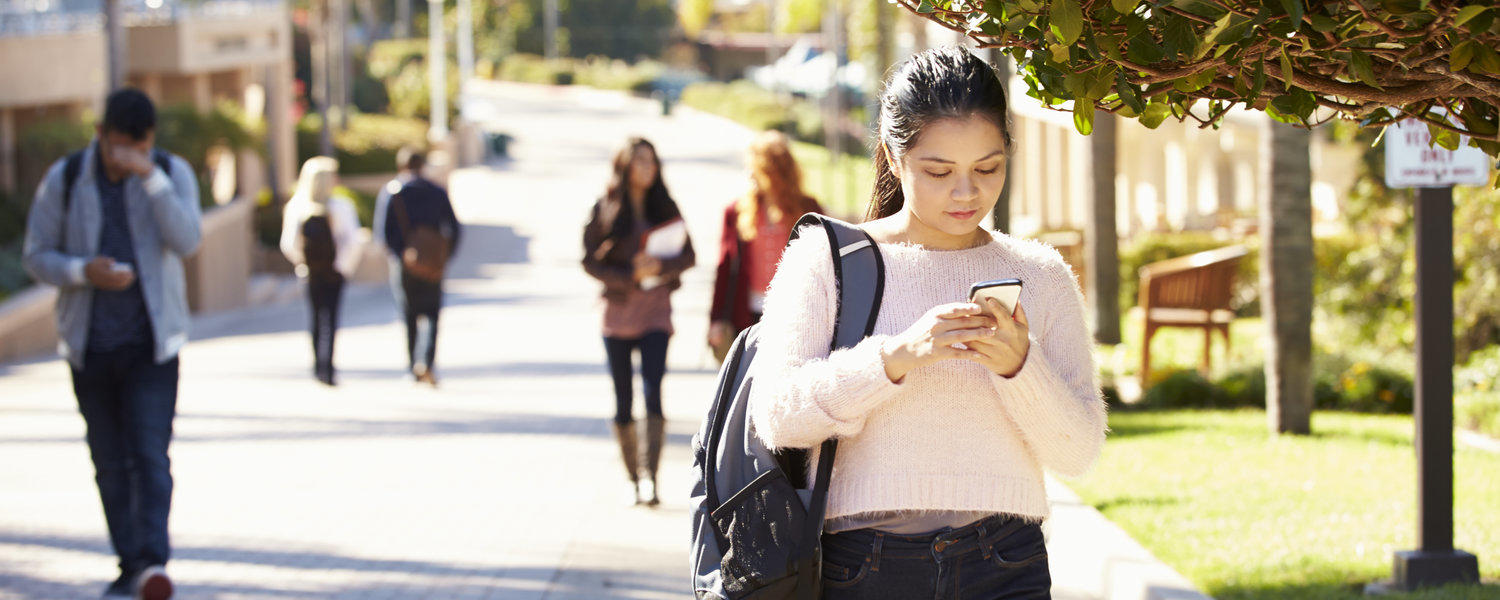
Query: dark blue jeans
[998,558]
[653,347]
[128,402]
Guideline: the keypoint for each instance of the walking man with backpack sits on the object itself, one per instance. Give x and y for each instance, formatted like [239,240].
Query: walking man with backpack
[421,231]
[109,227]
[320,235]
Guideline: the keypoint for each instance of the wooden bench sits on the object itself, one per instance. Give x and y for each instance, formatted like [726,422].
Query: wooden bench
[1191,291]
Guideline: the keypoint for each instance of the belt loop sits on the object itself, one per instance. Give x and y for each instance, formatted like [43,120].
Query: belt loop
[874,557]
[984,546]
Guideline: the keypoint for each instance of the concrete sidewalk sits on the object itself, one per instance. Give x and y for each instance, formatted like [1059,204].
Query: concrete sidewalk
[505,482]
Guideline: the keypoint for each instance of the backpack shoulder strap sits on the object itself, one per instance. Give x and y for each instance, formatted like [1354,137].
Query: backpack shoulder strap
[860,274]
[162,159]
[71,167]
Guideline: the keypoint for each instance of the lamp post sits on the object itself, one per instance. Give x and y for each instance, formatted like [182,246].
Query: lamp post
[437,72]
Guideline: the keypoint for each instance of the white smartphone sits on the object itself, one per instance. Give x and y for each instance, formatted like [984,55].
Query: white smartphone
[121,267]
[1006,291]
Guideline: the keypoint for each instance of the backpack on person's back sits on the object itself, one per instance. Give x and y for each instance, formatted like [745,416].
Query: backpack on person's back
[756,528]
[319,252]
[427,249]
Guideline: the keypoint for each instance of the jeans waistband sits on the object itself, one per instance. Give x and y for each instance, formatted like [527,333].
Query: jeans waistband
[939,545]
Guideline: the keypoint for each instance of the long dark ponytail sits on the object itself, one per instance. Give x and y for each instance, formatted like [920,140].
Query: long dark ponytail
[942,83]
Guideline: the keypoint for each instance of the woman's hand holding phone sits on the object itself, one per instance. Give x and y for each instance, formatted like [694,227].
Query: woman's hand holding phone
[946,332]
[1004,351]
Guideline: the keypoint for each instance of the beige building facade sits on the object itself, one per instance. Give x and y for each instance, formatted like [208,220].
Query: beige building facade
[54,64]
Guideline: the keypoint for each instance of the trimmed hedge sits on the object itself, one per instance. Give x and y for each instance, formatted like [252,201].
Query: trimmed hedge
[368,146]
[1360,387]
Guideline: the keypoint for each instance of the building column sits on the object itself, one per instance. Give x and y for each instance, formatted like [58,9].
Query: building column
[203,93]
[7,151]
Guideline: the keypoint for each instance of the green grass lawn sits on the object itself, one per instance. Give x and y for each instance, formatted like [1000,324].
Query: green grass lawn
[1248,516]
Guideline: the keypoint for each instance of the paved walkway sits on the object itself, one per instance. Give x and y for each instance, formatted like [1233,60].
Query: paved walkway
[503,484]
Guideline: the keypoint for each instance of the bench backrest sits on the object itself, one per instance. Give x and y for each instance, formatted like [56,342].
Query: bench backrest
[1204,280]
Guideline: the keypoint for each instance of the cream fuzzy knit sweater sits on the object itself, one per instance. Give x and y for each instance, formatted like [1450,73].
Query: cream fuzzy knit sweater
[951,436]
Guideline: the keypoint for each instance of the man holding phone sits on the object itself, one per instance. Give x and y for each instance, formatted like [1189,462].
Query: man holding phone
[109,226]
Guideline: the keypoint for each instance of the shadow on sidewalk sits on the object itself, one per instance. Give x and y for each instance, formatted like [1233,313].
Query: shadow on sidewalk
[298,428]
[412,578]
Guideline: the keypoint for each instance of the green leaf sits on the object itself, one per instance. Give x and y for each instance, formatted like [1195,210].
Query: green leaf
[1178,37]
[1443,138]
[1293,9]
[1155,113]
[1359,64]
[1124,7]
[1083,116]
[1259,82]
[1067,20]
[1467,13]
[1208,40]
[1462,55]
[1286,70]
[1018,22]
[1110,45]
[1128,94]
[1487,60]
[1144,51]
[1401,7]
[1323,24]
[924,7]
[1029,5]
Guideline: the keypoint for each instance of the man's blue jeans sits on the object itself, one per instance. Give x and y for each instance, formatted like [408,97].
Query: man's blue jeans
[998,558]
[128,403]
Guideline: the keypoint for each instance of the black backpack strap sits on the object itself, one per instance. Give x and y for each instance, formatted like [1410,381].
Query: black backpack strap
[860,274]
[71,167]
[162,159]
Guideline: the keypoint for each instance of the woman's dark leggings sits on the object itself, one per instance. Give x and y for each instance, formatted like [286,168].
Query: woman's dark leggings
[653,347]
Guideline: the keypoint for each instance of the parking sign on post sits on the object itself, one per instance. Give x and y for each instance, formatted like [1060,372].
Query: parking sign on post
[1412,161]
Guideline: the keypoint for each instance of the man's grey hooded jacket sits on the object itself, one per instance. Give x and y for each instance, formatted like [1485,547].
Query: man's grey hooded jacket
[164,227]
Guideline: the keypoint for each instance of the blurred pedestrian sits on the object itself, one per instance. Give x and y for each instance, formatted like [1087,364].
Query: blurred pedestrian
[320,235]
[637,295]
[756,228]
[109,227]
[421,233]
[948,413]
[409,164]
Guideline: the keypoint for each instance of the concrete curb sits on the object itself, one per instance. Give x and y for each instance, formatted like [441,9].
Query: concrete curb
[1102,560]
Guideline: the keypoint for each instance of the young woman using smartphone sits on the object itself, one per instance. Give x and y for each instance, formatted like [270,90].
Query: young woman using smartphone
[948,414]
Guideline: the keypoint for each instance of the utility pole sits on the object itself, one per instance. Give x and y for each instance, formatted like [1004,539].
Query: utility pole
[114,47]
[549,28]
[464,38]
[437,70]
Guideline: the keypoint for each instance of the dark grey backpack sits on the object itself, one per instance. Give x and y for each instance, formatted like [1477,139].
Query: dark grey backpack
[756,524]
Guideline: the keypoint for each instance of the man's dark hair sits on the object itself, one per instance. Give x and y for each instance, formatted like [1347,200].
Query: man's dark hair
[411,159]
[129,111]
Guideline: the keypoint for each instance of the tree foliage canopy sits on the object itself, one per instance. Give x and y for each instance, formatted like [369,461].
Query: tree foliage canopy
[1301,61]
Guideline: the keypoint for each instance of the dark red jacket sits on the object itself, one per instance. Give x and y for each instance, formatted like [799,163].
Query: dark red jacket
[732,283]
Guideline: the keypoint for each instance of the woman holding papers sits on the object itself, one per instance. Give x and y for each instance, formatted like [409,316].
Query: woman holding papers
[756,229]
[636,245]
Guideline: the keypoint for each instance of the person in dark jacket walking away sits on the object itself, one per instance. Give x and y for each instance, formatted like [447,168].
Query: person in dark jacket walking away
[637,297]
[422,232]
[109,227]
[320,235]
[756,229]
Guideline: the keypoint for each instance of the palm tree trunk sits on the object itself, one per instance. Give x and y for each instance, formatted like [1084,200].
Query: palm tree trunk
[1101,242]
[1286,267]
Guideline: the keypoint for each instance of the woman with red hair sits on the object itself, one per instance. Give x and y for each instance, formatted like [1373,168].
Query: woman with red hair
[756,229]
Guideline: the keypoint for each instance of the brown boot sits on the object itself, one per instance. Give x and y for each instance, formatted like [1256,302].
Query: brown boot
[629,448]
[656,433]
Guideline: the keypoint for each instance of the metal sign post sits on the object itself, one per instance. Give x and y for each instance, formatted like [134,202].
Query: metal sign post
[1412,161]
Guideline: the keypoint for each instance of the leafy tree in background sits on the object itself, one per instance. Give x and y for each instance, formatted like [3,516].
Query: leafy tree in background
[1375,61]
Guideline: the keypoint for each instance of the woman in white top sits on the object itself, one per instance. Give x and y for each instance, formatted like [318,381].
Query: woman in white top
[320,236]
[947,415]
